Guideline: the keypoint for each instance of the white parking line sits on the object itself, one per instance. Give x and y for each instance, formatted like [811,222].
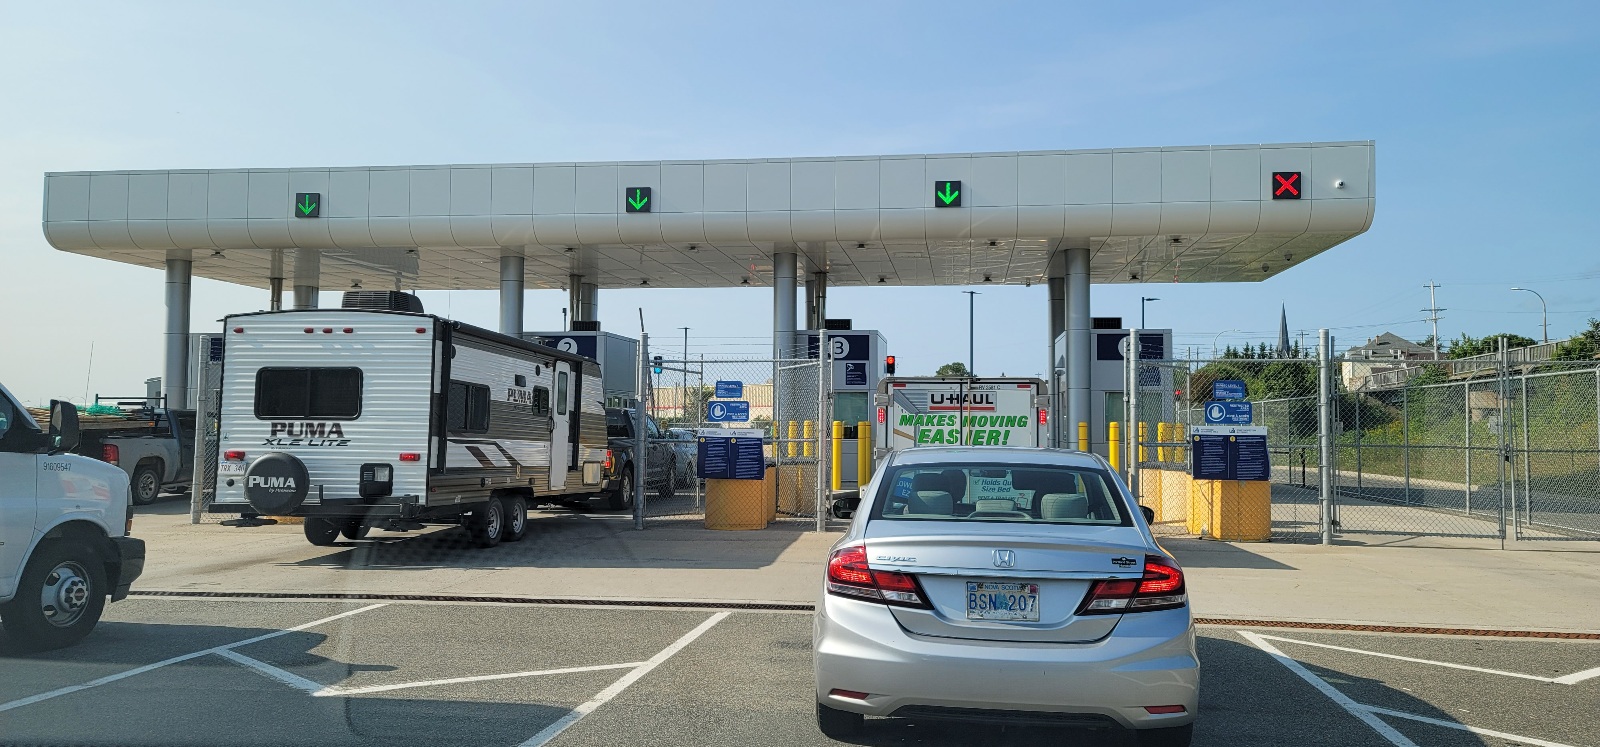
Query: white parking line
[554,730]
[342,691]
[1463,727]
[1591,673]
[1353,708]
[286,677]
[1576,677]
[30,700]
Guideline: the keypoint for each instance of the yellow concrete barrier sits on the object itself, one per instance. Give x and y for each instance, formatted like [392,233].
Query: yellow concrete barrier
[1144,455]
[1179,454]
[1114,445]
[837,456]
[863,453]
[1083,436]
[740,504]
[810,435]
[1163,434]
[1232,510]
[793,436]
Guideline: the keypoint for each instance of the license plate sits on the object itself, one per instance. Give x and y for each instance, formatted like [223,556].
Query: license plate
[230,468]
[1002,600]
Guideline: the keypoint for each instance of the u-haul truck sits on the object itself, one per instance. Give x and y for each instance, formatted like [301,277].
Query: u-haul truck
[939,411]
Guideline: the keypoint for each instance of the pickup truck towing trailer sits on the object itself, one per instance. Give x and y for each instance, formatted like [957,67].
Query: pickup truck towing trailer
[64,525]
[361,417]
[928,410]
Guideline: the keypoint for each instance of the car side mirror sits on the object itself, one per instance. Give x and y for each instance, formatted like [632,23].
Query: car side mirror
[64,433]
[1149,514]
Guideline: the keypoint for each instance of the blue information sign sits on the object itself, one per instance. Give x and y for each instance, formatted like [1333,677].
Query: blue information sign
[1229,453]
[731,455]
[1227,389]
[730,389]
[1229,413]
[735,411]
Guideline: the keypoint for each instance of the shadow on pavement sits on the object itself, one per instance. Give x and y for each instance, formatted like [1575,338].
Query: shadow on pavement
[166,504]
[1197,553]
[571,540]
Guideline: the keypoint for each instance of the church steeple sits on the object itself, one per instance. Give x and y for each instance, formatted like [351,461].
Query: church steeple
[1283,331]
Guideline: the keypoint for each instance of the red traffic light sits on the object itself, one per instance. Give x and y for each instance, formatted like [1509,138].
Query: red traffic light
[888,365]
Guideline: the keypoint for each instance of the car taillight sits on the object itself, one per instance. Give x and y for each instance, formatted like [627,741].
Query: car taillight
[1044,416]
[410,456]
[883,415]
[110,453]
[1161,588]
[849,576]
[610,461]
[233,456]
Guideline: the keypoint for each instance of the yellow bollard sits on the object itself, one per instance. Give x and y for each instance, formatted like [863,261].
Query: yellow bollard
[1114,444]
[808,433]
[838,454]
[794,437]
[1144,456]
[863,453]
[1178,454]
[1163,433]
[1083,436]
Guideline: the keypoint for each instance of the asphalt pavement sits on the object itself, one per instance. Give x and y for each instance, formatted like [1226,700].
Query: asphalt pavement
[187,671]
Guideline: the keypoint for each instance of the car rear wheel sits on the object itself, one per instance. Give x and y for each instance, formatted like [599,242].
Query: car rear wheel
[516,510]
[487,523]
[621,499]
[1172,736]
[321,532]
[837,724]
[146,484]
[668,487]
[59,597]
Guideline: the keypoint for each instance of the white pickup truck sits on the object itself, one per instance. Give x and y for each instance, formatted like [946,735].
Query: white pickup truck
[64,525]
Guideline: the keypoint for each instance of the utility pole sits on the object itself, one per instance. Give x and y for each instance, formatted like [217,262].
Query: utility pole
[683,395]
[1433,310]
[972,360]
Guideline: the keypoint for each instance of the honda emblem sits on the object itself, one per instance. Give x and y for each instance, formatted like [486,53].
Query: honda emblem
[1005,559]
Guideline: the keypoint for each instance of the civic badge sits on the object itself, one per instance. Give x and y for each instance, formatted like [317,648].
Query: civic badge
[1005,559]
[1124,562]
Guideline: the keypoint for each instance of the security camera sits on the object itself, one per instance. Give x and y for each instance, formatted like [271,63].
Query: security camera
[1288,256]
[1338,184]
[1263,266]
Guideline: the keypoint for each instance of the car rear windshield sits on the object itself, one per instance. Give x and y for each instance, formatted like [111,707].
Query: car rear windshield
[1000,493]
[322,393]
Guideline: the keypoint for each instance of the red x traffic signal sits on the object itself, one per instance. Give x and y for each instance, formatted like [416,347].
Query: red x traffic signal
[1286,185]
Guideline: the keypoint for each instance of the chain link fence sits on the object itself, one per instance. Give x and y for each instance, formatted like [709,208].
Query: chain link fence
[1511,451]
[778,397]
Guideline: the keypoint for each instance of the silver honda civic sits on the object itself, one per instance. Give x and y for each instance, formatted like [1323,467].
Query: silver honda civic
[1004,585]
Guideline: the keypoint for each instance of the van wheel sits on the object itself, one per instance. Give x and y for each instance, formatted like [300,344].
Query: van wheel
[621,499]
[837,724]
[516,510]
[354,529]
[487,523]
[321,532]
[59,597]
[146,484]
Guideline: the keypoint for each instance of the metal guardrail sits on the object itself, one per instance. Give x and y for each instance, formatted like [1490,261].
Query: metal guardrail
[1488,362]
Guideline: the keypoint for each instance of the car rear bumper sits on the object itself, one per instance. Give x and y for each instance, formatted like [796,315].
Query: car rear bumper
[1148,660]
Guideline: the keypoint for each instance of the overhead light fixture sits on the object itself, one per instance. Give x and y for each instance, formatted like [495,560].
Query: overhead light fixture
[570,249]
[1133,276]
[745,281]
[986,279]
[861,245]
[355,284]
[645,281]
[991,243]
[217,254]
[1027,283]
[882,280]
[693,247]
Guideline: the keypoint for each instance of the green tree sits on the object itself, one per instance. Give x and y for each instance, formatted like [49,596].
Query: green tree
[1586,346]
[1467,346]
[956,369]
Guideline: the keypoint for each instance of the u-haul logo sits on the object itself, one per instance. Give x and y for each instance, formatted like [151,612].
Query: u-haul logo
[306,433]
[970,401]
[272,483]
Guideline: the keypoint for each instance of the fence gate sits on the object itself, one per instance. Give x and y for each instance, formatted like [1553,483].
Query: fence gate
[783,398]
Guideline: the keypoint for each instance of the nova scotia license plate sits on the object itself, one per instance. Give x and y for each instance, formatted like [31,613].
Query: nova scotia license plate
[1002,601]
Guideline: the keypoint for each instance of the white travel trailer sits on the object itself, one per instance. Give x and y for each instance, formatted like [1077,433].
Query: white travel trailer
[385,416]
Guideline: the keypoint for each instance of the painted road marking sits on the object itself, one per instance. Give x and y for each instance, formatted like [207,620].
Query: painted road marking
[30,700]
[554,730]
[344,691]
[1350,706]
[1584,675]
[1463,727]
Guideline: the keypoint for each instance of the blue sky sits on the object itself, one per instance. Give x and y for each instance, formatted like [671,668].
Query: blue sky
[1485,117]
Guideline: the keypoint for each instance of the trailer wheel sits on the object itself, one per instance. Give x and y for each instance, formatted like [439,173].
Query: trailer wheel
[487,523]
[59,597]
[516,509]
[355,529]
[321,532]
[621,499]
[146,483]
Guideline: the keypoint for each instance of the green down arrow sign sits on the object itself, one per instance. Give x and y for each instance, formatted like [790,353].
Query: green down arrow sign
[308,204]
[638,199]
[947,194]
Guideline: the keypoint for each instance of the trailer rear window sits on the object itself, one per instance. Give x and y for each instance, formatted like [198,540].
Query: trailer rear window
[319,393]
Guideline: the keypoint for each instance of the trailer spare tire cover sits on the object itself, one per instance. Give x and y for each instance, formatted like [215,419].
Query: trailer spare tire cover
[276,483]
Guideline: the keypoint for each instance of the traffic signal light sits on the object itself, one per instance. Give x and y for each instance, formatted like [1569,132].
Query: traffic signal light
[888,366]
[655,363]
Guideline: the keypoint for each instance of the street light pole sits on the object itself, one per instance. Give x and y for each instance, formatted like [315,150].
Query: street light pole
[1544,313]
[972,361]
[1214,341]
[683,394]
[1142,300]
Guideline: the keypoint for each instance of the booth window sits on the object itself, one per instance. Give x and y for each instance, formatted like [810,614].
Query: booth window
[312,393]
[850,408]
[467,408]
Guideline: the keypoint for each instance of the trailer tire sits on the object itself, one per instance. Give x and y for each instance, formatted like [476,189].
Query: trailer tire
[59,598]
[321,532]
[516,512]
[146,483]
[621,499]
[487,523]
[355,529]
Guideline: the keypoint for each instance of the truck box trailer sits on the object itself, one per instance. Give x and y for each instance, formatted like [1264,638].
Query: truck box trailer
[361,417]
[925,411]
